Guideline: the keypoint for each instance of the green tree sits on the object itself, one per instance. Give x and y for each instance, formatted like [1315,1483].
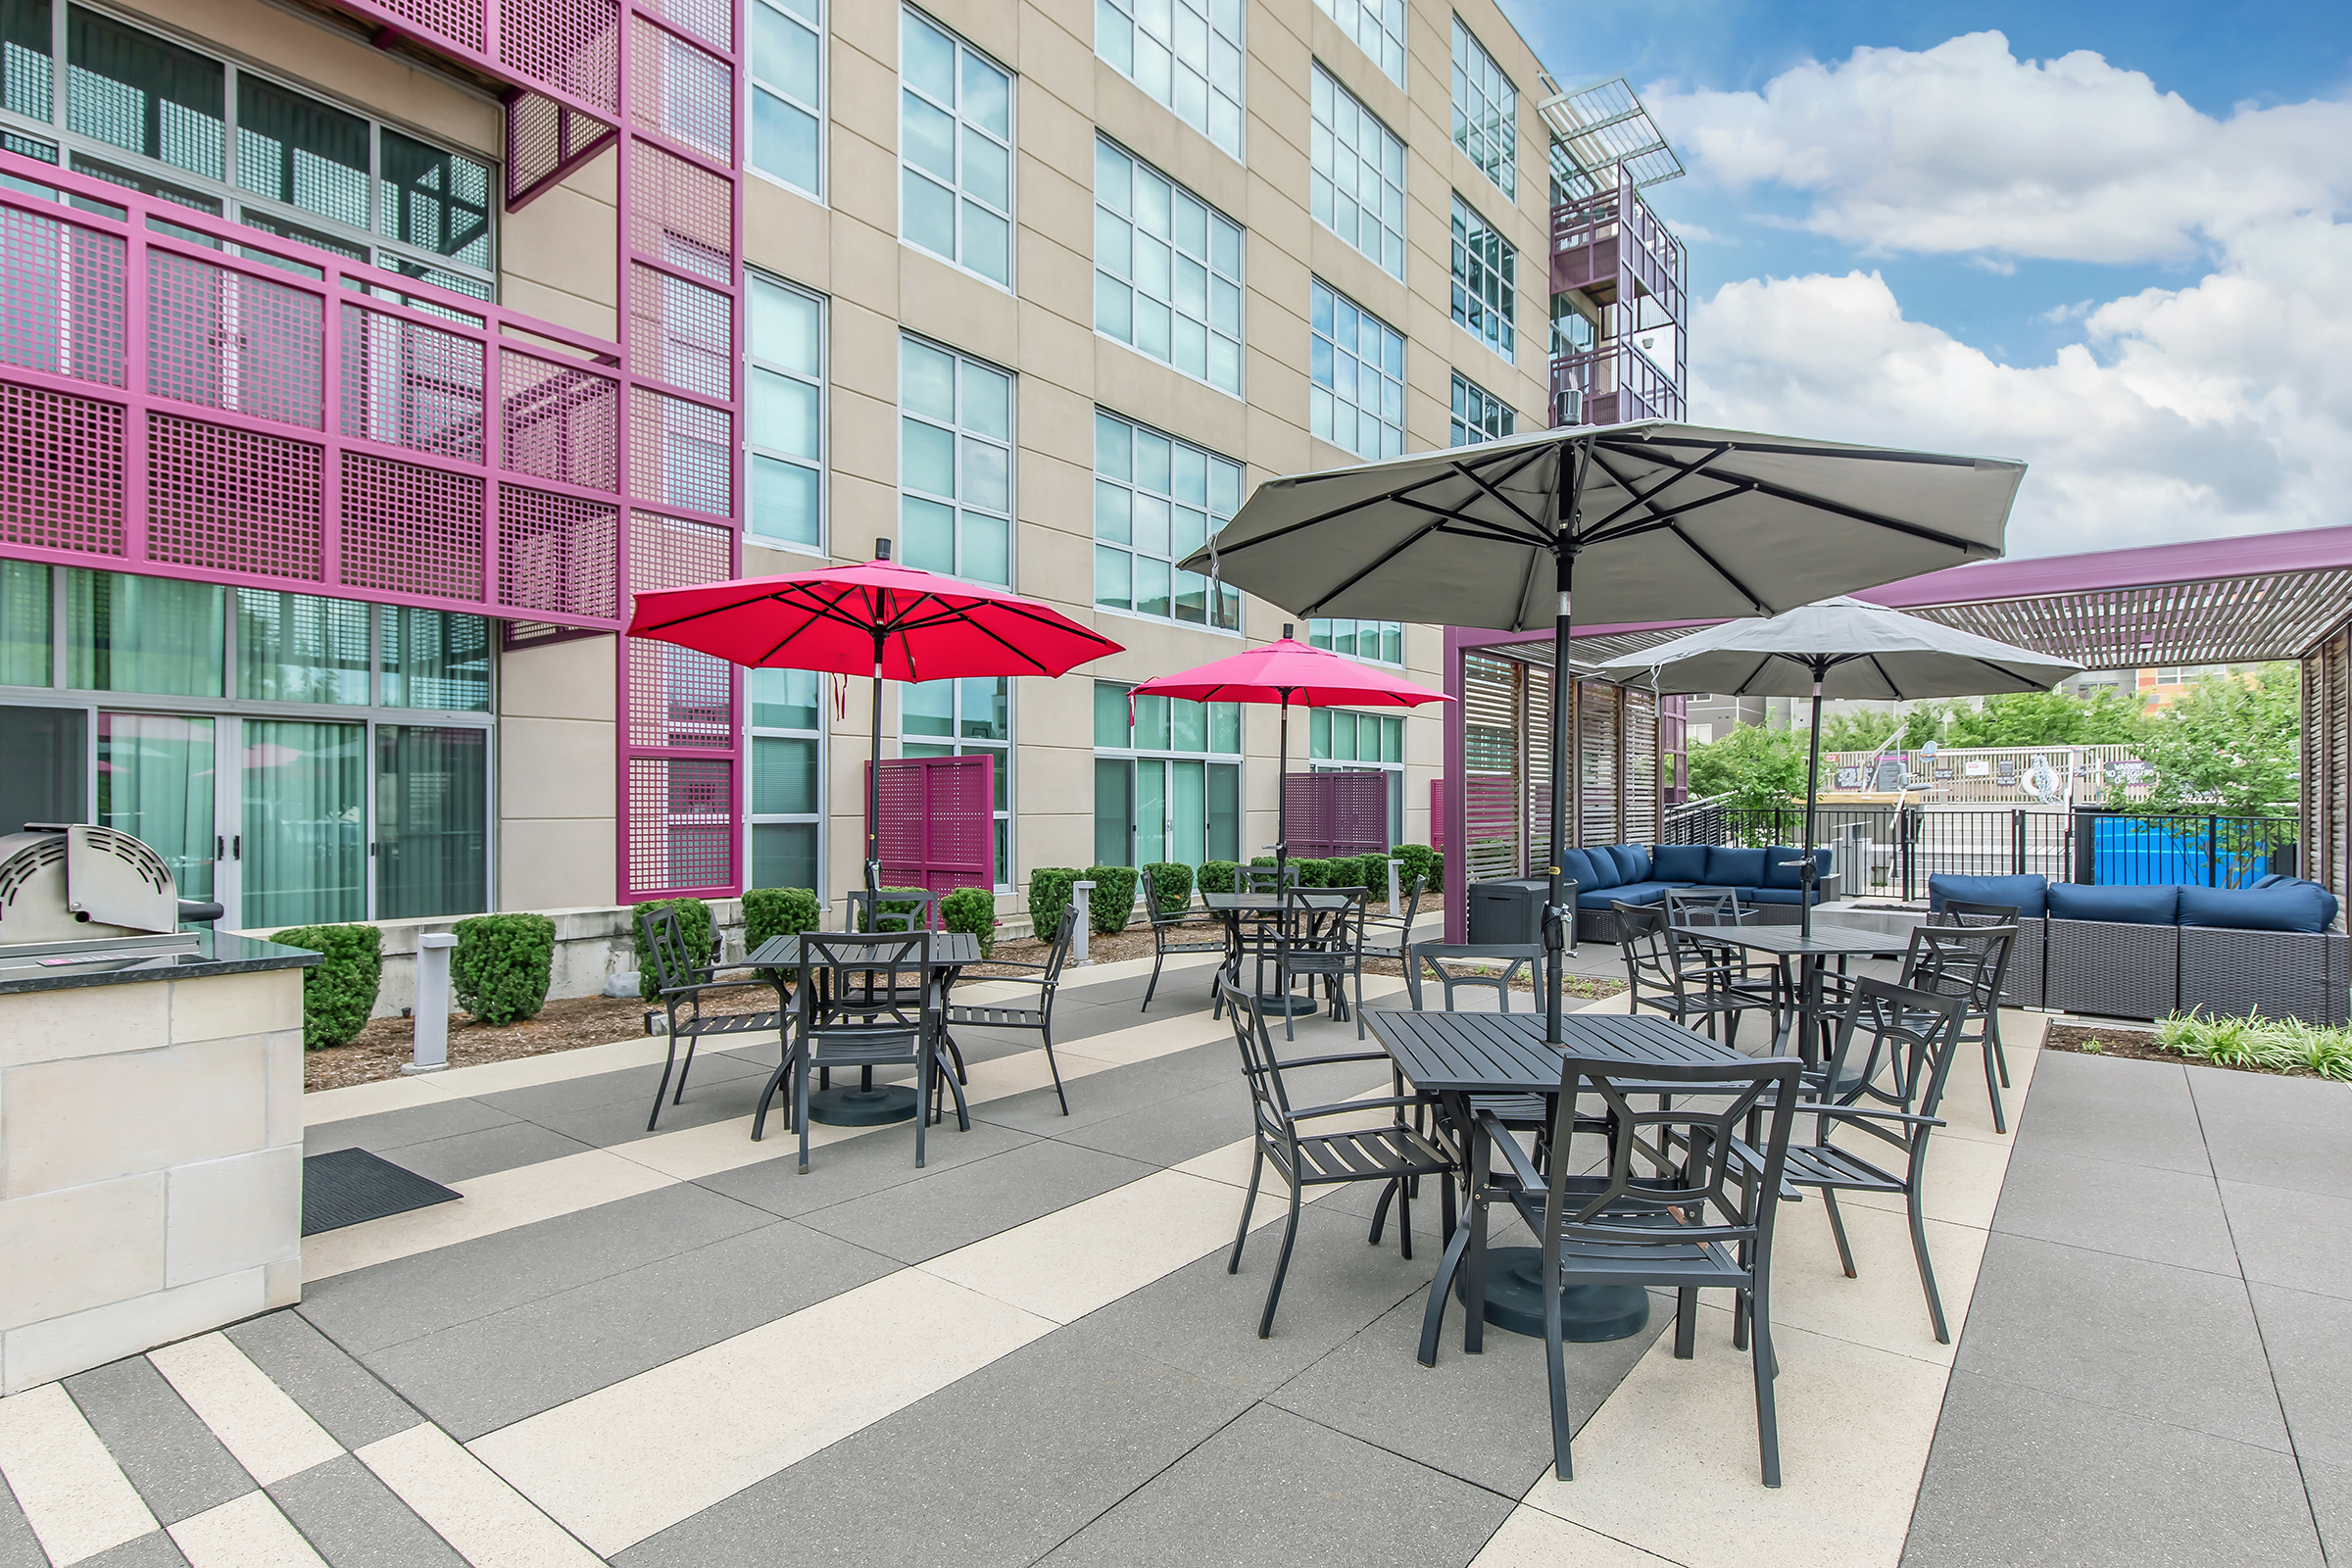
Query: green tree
[2230,747]
[2048,719]
[1918,723]
[1759,769]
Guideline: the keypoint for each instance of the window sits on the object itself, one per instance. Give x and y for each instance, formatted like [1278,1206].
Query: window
[955,150]
[788,114]
[1378,25]
[1185,53]
[1167,271]
[787,778]
[1338,739]
[1357,183]
[237,144]
[1486,112]
[1169,786]
[787,375]
[1356,364]
[27,618]
[1382,640]
[954,463]
[959,718]
[1485,283]
[1478,415]
[1157,501]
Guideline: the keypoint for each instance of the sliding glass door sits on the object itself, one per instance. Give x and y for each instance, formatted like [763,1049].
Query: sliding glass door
[304,827]
[156,783]
[432,793]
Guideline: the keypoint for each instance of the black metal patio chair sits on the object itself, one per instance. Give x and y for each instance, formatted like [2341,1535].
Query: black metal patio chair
[1179,931]
[1322,939]
[1261,878]
[1490,966]
[1700,1220]
[1048,980]
[1386,936]
[1684,978]
[920,914]
[879,966]
[1986,987]
[1394,1153]
[680,983]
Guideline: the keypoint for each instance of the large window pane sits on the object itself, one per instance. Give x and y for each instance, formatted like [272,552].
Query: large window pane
[25,620]
[1185,53]
[1377,26]
[432,792]
[1163,497]
[956,445]
[1486,281]
[305,838]
[435,658]
[302,152]
[1224,811]
[783,699]
[1162,257]
[787,110]
[786,422]
[132,90]
[47,776]
[956,143]
[1114,812]
[143,634]
[24,67]
[292,648]
[434,199]
[1486,112]
[1355,184]
[784,854]
[155,782]
[1356,364]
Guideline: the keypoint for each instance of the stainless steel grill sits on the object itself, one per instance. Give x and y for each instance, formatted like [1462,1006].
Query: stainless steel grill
[74,896]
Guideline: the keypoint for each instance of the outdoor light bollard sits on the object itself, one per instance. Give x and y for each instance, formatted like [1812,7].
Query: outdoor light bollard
[431,1012]
[1396,894]
[1084,893]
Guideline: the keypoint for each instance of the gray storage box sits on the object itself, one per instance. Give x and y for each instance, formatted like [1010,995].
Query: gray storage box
[1510,913]
[2113,969]
[2280,974]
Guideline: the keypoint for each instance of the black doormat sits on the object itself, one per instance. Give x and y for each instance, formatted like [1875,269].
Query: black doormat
[349,1185]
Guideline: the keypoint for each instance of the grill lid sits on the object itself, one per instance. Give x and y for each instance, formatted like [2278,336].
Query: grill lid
[75,882]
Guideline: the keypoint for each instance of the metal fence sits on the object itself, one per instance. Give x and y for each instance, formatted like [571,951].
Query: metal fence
[1891,851]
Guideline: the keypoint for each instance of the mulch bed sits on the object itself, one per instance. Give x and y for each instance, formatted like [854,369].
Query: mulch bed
[2139,1044]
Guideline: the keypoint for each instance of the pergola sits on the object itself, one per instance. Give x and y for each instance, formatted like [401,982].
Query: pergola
[2281,595]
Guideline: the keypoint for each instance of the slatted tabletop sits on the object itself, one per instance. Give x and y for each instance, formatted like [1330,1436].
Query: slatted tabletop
[1242,903]
[1504,1052]
[948,948]
[1789,942]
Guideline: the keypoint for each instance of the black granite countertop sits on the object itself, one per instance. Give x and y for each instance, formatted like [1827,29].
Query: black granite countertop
[218,952]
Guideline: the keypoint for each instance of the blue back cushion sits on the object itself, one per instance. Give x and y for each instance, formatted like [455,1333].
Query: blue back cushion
[1679,863]
[1735,868]
[1633,862]
[2275,879]
[1781,870]
[2127,906]
[1577,866]
[2282,906]
[2029,896]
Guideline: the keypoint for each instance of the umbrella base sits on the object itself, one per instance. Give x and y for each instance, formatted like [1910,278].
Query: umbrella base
[1589,1315]
[877,1106]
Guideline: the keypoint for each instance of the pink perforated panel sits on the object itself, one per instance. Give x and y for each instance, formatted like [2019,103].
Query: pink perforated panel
[572,45]
[61,472]
[555,554]
[61,298]
[681,214]
[710,21]
[678,696]
[228,340]
[411,529]
[681,824]
[938,822]
[680,452]
[560,422]
[534,142]
[232,500]
[406,384]
[681,91]
[681,331]
[458,21]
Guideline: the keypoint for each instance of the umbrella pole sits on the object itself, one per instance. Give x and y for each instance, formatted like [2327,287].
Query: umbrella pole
[1806,886]
[874,804]
[1282,789]
[1563,684]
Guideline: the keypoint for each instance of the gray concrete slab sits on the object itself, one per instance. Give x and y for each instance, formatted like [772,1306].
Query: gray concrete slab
[2330,1487]
[154,1549]
[339,1394]
[172,1457]
[465,1156]
[354,1521]
[2308,1338]
[2164,1215]
[2136,1113]
[2020,1476]
[978,1198]
[1262,1492]
[19,1548]
[2276,1132]
[417,1124]
[2292,1239]
[1113,1092]
[840,1172]
[1174,1130]
[2172,1344]
[541,1101]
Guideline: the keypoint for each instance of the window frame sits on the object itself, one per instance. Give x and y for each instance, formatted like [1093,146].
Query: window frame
[1137,169]
[958,192]
[753,820]
[1236,39]
[1131,755]
[1459,419]
[959,433]
[754,85]
[1392,45]
[1323,132]
[1223,613]
[1323,632]
[1472,239]
[1330,341]
[1467,129]
[822,463]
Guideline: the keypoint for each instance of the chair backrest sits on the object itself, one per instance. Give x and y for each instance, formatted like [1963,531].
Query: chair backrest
[665,946]
[1437,955]
[885,919]
[1704,906]
[1269,1102]
[889,966]
[1970,962]
[1959,911]
[1912,1036]
[1647,943]
[1152,909]
[1692,1144]
[1261,878]
[1065,935]
[1410,885]
[1330,919]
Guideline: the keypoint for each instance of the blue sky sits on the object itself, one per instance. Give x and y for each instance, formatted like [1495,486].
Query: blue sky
[2099,206]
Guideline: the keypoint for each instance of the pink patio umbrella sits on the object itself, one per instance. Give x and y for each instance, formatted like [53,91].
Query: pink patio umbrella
[1286,672]
[875,619]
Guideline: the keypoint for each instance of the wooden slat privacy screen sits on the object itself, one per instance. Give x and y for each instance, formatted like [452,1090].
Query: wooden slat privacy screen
[1507,754]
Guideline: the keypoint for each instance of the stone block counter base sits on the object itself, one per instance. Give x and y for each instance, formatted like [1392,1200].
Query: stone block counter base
[150,1153]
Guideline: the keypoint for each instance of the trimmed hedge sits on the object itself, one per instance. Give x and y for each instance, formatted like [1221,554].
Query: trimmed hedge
[1049,896]
[1313,872]
[1112,903]
[501,966]
[769,912]
[972,910]
[889,905]
[1171,886]
[339,991]
[1419,860]
[694,929]
[1217,876]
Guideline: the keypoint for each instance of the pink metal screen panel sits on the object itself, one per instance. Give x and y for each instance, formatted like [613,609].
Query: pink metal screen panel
[681,331]
[557,554]
[559,421]
[711,20]
[938,822]
[228,340]
[681,454]
[572,45]
[410,527]
[61,298]
[233,500]
[680,90]
[461,22]
[406,384]
[61,472]
[681,813]
[1437,814]
[681,214]
[1337,813]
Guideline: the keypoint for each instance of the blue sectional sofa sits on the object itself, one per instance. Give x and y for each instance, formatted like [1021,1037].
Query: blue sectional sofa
[2147,951]
[1644,873]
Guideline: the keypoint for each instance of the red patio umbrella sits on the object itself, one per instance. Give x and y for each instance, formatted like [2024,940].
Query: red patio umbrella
[1286,672]
[875,619]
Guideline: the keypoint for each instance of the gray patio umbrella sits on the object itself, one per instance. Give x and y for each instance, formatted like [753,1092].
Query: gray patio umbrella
[1840,648]
[1646,521]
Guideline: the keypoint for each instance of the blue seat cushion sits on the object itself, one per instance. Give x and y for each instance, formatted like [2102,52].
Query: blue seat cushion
[1782,867]
[2273,880]
[2125,906]
[1630,893]
[1632,861]
[1735,868]
[2029,896]
[2282,907]
[1679,863]
[1777,895]
[1578,868]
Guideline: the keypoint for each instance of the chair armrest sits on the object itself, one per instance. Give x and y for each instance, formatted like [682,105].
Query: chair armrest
[1384,1101]
[1858,1114]
[1523,1166]
[1753,1159]
[706,985]
[1325,1061]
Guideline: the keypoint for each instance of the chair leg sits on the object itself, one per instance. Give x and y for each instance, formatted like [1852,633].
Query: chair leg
[1446,1219]
[1052,1066]
[1432,1316]
[2000,1053]
[1996,1076]
[1927,1270]
[775,1080]
[662,1087]
[1845,1253]
[963,1109]
[926,1083]
[1404,1221]
[1157,959]
[1380,1210]
[1282,1266]
[1257,1164]
[1768,1420]
[685,1067]
[1555,1371]
[1686,1325]
[800,1111]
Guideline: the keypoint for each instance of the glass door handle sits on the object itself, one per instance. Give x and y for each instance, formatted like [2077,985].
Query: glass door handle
[220,848]
[236,846]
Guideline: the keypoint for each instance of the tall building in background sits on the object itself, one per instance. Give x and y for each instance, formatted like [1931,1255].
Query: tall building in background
[362,357]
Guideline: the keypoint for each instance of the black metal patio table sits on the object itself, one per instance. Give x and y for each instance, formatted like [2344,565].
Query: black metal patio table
[1808,957]
[1232,908]
[870,1105]
[1456,1056]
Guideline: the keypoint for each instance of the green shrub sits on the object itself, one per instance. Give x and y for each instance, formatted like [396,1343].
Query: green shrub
[900,905]
[1171,886]
[1217,876]
[501,966]
[1112,903]
[972,910]
[1419,860]
[769,912]
[1261,860]
[1049,896]
[2255,1041]
[338,992]
[694,929]
[1312,873]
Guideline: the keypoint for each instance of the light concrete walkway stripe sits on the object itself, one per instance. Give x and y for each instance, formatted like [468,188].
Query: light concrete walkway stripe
[499,1201]
[1533,1539]
[255,1419]
[72,1493]
[489,1523]
[245,1531]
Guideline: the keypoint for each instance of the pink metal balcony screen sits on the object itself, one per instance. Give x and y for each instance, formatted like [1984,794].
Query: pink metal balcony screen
[1339,811]
[938,822]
